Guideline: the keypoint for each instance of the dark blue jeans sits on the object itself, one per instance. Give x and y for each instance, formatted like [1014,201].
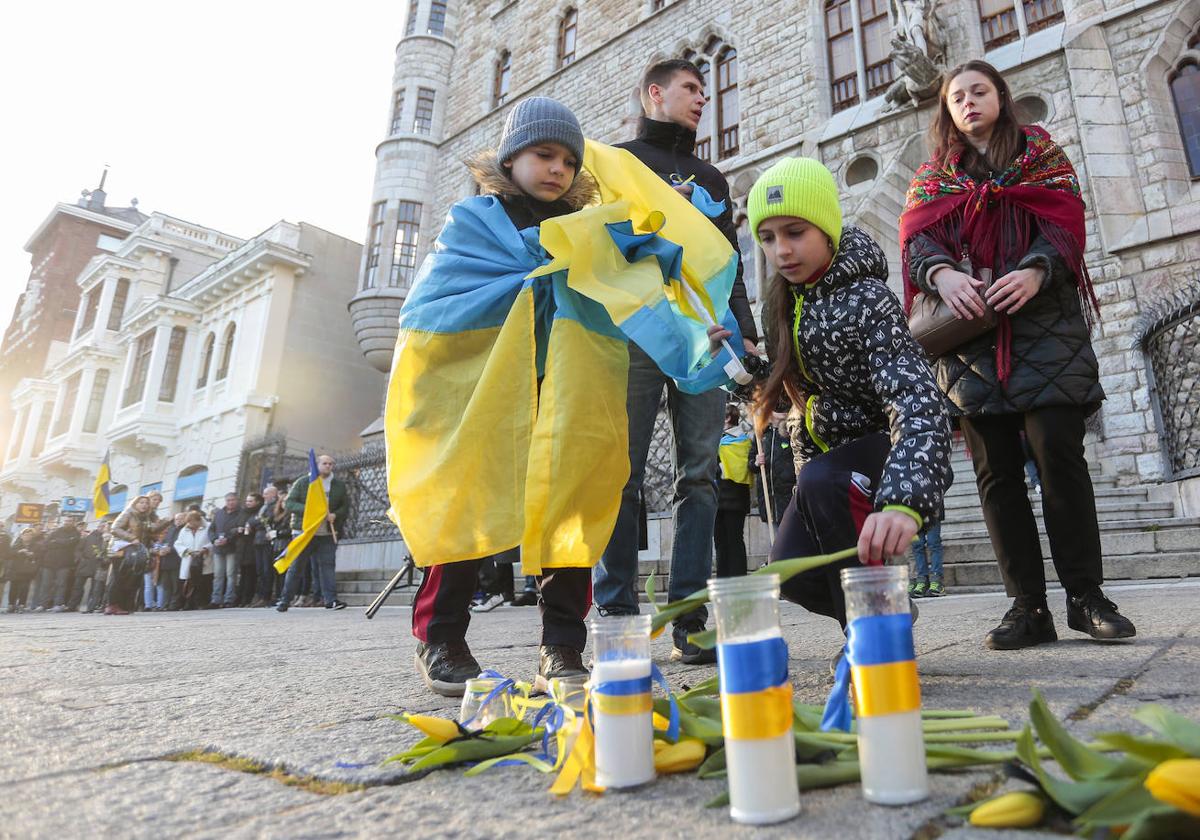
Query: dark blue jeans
[52,587]
[697,421]
[323,552]
[927,553]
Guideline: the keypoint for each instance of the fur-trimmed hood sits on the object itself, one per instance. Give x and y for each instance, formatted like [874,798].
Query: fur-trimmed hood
[493,180]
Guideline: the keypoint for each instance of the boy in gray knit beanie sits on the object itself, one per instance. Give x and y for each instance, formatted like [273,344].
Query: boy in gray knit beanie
[541,148]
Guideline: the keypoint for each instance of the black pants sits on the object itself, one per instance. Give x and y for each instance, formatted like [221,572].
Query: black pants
[18,593]
[729,538]
[834,496]
[442,609]
[1055,437]
[247,583]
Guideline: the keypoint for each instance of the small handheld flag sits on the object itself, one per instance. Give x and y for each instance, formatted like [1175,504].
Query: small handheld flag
[100,489]
[316,509]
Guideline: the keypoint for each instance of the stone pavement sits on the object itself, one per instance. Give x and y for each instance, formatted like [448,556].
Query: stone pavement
[92,706]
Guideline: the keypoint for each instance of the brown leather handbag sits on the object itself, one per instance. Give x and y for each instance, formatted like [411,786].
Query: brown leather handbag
[938,330]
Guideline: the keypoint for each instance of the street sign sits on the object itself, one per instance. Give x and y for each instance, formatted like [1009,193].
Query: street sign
[74,504]
[29,513]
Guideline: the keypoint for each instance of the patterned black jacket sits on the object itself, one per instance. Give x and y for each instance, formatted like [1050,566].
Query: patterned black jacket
[864,373]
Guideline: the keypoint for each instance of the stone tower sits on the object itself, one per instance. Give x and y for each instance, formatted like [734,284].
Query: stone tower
[406,175]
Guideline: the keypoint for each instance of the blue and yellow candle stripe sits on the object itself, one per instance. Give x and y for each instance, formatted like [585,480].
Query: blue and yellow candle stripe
[623,697]
[756,696]
[883,665]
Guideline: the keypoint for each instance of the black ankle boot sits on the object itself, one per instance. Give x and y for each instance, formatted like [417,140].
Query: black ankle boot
[1028,623]
[1097,616]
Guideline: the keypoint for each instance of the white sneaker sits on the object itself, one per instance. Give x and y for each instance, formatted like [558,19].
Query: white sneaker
[488,605]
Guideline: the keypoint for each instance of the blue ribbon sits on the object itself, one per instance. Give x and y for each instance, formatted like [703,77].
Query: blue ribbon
[624,688]
[871,640]
[641,685]
[673,716]
[506,685]
[703,201]
[745,667]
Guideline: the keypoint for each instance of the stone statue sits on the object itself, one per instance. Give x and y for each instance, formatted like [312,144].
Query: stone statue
[909,22]
[917,77]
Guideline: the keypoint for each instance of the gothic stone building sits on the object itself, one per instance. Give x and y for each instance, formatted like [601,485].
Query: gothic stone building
[1116,82]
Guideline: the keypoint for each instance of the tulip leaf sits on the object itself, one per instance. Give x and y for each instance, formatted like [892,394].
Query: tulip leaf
[1079,762]
[1144,749]
[1157,825]
[831,774]
[1124,805]
[1177,729]
[1072,797]
[706,639]
[709,688]
[718,801]
[714,765]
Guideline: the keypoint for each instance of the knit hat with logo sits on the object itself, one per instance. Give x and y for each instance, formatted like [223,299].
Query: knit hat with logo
[800,187]
[540,119]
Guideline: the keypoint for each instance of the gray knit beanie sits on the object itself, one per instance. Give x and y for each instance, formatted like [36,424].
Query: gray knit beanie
[540,119]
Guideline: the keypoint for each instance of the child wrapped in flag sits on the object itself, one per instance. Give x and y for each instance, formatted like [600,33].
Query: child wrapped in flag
[505,413]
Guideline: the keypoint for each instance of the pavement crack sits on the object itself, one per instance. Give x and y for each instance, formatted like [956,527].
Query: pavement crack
[1124,684]
[239,764]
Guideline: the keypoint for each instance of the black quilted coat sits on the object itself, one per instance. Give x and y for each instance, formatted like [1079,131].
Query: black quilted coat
[1053,363]
[864,373]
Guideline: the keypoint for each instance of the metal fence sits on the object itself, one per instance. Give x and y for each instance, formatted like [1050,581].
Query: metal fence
[365,474]
[1172,347]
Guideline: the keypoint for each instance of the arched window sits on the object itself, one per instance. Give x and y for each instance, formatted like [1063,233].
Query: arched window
[863,41]
[206,360]
[226,352]
[722,114]
[1185,91]
[567,28]
[704,131]
[502,78]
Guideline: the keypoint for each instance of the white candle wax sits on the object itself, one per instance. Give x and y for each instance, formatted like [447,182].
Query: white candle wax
[624,743]
[762,779]
[891,753]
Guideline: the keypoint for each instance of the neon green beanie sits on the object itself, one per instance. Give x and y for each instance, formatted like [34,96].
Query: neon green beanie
[799,187]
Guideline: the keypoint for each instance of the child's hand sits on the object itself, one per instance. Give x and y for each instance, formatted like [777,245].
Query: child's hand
[717,334]
[885,533]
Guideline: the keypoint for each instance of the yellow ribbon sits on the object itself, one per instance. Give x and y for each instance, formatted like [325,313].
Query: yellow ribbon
[622,704]
[887,689]
[580,765]
[757,715]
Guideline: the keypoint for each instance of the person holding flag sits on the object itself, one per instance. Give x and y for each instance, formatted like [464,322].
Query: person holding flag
[318,503]
[100,489]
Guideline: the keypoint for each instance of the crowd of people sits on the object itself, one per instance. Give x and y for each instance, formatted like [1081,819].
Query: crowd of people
[141,560]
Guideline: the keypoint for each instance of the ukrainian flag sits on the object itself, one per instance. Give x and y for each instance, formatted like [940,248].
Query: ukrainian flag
[316,509]
[505,415]
[734,455]
[100,489]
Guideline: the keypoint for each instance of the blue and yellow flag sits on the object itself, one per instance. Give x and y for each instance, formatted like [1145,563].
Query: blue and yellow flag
[100,488]
[505,416]
[734,455]
[316,509]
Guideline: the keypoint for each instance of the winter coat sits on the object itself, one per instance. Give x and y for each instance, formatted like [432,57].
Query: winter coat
[90,554]
[135,527]
[781,470]
[188,544]
[1053,363]
[224,524]
[523,210]
[60,547]
[864,373]
[337,497]
[23,560]
[247,541]
[669,150]
[168,560]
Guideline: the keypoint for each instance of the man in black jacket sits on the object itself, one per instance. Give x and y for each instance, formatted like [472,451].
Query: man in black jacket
[673,99]
[224,535]
[57,565]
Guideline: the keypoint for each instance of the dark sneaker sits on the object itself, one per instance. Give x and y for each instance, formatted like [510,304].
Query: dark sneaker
[336,605]
[936,590]
[281,607]
[1022,626]
[686,652]
[1097,616]
[555,662]
[526,598]
[446,667]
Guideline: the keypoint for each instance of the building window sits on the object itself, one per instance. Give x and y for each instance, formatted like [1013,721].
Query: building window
[90,306]
[423,121]
[226,352]
[658,5]
[91,420]
[67,404]
[170,377]
[410,26]
[206,360]
[117,312]
[727,104]
[567,27]
[437,18]
[374,242]
[1005,21]
[1041,13]
[843,71]
[108,242]
[503,76]
[876,46]
[43,427]
[140,368]
[397,111]
[14,443]
[404,251]
[1185,91]
[704,130]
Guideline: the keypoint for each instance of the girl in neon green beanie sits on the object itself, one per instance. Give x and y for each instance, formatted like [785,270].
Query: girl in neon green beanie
[873,453]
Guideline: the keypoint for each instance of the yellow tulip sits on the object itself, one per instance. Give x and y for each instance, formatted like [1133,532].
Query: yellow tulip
[1020,809]
[688,754]
[440,729]
[661,723]
[1177,782]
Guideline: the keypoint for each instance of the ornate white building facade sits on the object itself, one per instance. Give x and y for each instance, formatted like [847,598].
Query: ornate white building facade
[189,346]
[1116,82]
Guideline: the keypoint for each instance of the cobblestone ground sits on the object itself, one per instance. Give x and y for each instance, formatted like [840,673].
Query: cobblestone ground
[92,706]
